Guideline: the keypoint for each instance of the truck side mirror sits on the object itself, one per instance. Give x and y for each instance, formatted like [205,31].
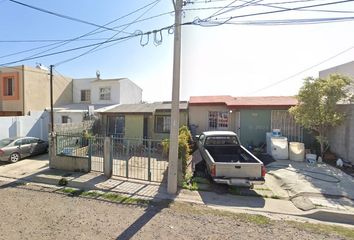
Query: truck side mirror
[197,137]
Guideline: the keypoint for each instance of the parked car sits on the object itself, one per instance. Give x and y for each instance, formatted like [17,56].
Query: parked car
[13,149]
[227,161]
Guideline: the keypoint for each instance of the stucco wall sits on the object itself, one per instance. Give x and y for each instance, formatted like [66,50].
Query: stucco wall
[115,92]
[78,85]
[198,115]
[134,126]
[129,92]
[341,138]
[346,69]
[13,104]
[37,89]
[76,117]
[35,125]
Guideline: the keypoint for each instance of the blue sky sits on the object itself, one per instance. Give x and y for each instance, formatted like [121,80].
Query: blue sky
[229,59]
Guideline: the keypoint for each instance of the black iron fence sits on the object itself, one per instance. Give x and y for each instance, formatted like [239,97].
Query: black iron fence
[139,159]
[143,159]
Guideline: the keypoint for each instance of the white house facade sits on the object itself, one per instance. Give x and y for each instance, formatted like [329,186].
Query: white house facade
[96,95]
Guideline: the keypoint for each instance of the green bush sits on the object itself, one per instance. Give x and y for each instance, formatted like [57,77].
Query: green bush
[184,139]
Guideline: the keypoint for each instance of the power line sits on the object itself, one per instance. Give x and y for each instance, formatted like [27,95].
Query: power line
[60,44]
[289,21]
[90,45]
[95,47]
[303,71]
[200,21]
[64,42]
[62,15]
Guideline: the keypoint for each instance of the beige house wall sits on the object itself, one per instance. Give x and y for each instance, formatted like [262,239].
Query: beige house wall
[37,90]
[198,115]
[134,126]
[12,105]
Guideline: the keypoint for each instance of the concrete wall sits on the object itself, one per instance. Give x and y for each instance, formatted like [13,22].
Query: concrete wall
[15,104]
[341,138]
[346,69]
[68,163]
[76,117]
[199,115]
[78,85]
[115,91]
[37,89]
[35,125]
[129,92]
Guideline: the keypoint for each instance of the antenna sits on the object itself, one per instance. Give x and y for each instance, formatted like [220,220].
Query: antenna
[98,74]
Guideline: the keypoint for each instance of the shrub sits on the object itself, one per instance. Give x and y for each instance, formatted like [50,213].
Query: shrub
[184,139]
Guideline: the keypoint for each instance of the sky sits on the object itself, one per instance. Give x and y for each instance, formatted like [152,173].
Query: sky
[228,59]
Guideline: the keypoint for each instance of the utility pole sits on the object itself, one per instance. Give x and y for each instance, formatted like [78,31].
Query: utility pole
[173,152]
[51,100]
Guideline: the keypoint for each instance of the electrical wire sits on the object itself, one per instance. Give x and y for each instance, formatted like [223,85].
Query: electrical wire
[102,43]
[227,19]
[65,42]
[302,71]
[62,15]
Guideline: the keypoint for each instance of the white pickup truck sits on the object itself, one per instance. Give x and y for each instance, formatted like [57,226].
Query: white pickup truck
[227,161]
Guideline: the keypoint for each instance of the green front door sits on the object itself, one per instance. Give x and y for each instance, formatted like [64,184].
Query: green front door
[253,126]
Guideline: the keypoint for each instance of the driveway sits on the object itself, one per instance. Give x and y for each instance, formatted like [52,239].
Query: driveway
[25,167]
[318,185]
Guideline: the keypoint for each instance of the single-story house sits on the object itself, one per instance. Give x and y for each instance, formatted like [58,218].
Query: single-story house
[143,120]
[249,117]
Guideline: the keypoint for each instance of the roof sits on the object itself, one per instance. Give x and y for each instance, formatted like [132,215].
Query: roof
[83,107]
[145,107]
[243,101]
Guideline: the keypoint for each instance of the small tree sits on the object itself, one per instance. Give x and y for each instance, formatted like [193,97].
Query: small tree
[316,109]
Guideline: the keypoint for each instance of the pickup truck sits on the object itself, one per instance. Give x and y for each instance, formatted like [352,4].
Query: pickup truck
[227,161]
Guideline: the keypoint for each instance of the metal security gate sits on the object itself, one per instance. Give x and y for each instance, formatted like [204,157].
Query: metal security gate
[281,119]
[139,159]
[97,151]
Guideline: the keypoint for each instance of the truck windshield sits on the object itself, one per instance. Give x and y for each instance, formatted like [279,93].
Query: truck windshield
[221,140]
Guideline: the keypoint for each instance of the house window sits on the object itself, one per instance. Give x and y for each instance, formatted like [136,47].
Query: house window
[162,124]
[218,120]
[9,87]
[65,119]
[105,93]
[85,95]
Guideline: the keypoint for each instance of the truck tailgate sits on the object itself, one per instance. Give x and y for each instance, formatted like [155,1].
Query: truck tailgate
[238,170]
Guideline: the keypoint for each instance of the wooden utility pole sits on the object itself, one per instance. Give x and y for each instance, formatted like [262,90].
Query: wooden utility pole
[51,100]
[173,152]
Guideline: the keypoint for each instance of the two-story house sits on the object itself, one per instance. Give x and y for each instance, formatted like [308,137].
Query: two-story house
[24,89]
[97,95]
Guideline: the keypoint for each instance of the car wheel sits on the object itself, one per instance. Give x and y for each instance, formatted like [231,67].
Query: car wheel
[14,157]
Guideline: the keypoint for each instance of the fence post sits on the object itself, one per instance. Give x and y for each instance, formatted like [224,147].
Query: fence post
[107,166]
[149,159]
[90,155]
[127,161]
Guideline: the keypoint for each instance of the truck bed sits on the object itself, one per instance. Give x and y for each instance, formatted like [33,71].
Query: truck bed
[230,154]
